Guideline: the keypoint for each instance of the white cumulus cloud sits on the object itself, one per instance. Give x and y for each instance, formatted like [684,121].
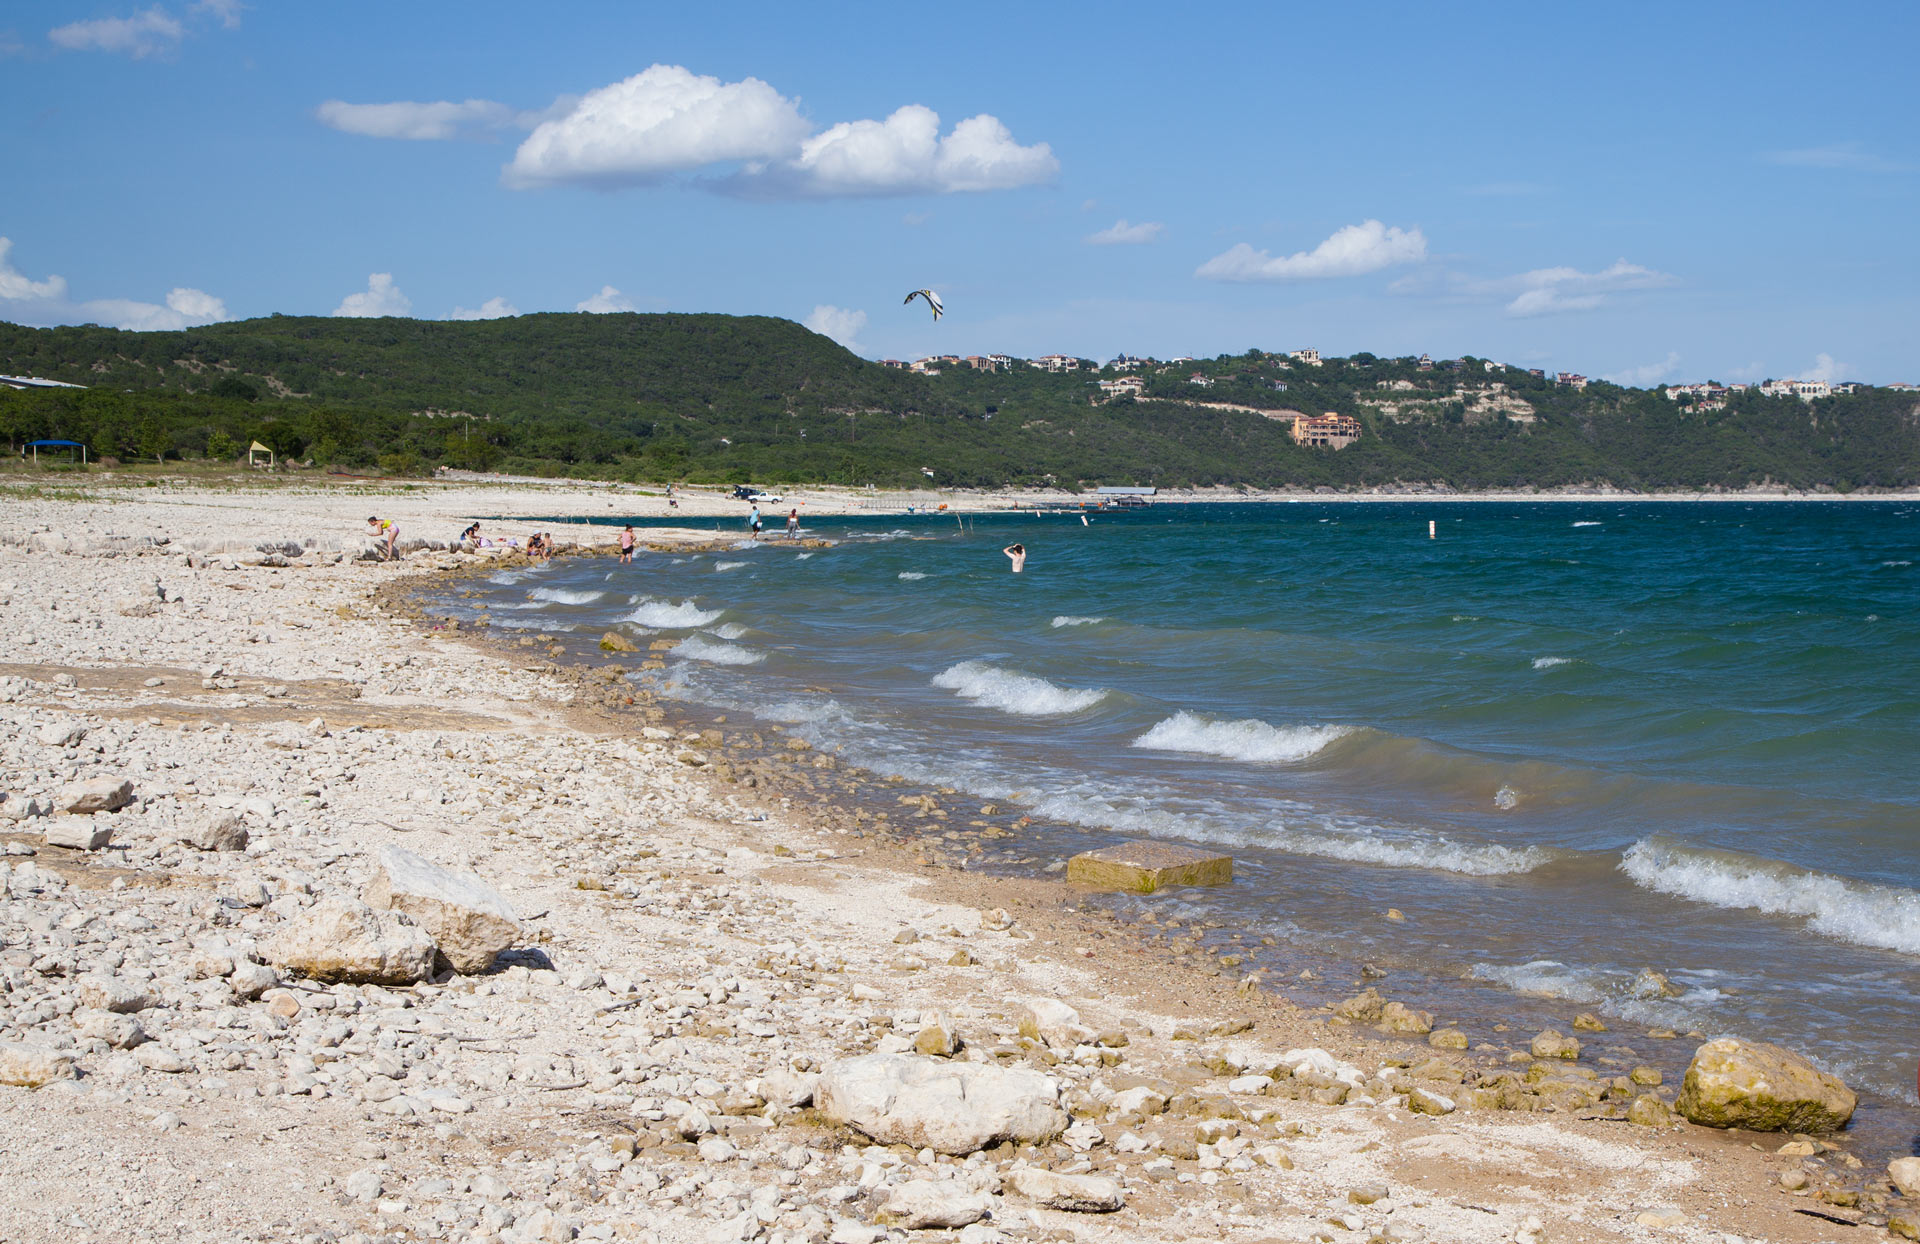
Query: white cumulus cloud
[1647,373]
[839,323]
[185,308]
[491,309]
[661,121]
[667,121]
[433,120]
[1352,251]
[1550,291]
[606,302]
[1124,234]
[15,286]
[143,34]
[906,154]
[29,301]
[382,297]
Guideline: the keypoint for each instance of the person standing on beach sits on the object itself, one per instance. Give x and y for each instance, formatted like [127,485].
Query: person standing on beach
[626,546]
[1017,554]
[753,520]
[793,524]
[384,529]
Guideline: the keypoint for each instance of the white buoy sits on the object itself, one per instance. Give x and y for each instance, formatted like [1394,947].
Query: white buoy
[1431,533]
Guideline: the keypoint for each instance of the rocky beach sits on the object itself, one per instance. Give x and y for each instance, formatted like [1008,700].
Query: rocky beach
[324,920]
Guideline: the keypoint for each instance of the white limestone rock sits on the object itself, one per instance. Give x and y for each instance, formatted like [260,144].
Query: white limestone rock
[924,1204]
[80,833]
[1083,1194]
[340,939]
[468,919]
[953,1108]
[31,1066]
[1053,1022]
[102,794]
[225,832]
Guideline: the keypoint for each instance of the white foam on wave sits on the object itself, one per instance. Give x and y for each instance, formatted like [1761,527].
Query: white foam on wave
[1072,619]
[719,566]
[800,557]
[1611,992]
[506,578]
[668,616]
[732,630]
[564,596]
[1248,739]
[910,575]
[712,651]
[1010,691]
[1547,663]
[1588,522]
[1885,917]
[1356,845]
[1896,562]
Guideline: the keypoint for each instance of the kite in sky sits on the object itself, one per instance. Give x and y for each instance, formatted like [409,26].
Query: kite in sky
[933,300]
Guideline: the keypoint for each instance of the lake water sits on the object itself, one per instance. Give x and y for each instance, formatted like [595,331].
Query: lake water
[1574,743]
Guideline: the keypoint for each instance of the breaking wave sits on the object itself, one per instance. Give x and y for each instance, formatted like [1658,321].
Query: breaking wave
[564,596]
[1885,917]
[712,651]
[1068,619]
[1547,663]
[1012,692]
[666,616]
[911,575]
[719,566]
[1248,739]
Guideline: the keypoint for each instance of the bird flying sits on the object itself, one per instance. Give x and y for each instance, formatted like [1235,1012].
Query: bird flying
[933,301]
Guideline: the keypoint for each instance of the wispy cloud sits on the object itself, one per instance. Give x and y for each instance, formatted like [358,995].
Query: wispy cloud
[226,11]
[381,297]
[1123,234]
[1825,367]
[1551,291]
[608,301]
[1848,157]
[1647,373]
[144,34]
[1352,251]
[839,323]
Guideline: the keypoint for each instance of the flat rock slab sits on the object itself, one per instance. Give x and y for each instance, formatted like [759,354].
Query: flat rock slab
[1144,867]
[468,919]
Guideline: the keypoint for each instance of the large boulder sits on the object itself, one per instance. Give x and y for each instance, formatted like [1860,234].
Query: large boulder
[922,1204]
[102,794]
[1763,1088]
[1084,1194]
[929,1103]
[470,920]
[1054,1023]
[30,1066]
[340,939]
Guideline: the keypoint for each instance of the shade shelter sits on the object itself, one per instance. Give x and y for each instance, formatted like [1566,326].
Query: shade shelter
[37,446]
[256,449]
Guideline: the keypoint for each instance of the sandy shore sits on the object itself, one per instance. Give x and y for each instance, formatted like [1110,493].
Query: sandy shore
[696,948]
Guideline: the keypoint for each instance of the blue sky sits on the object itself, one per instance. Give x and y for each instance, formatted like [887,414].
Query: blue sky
[1645,192]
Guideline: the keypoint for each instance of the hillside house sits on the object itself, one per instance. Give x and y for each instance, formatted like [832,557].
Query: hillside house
[1426,362]
[1572,379]
[1056,363]
[1310,357]
[1202,379]
[1125,386]
[1805,390]
[1328,431]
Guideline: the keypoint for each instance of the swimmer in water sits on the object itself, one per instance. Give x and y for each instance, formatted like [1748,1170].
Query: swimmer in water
[1016,553]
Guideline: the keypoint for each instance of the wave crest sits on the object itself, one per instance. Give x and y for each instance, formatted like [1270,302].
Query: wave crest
[564,596]
[1247,739]
[1010,691]
[1884,917]
[669,616]
[714,652]
[1073,619]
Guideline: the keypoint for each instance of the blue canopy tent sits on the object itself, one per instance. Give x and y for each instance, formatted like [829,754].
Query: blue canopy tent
[35,446]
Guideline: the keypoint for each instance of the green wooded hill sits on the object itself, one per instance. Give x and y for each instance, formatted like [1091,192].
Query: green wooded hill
[714,398]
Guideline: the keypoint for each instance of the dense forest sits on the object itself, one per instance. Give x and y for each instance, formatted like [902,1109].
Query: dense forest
[726,399]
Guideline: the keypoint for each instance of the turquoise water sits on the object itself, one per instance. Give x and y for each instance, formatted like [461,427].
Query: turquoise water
[1571,742]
